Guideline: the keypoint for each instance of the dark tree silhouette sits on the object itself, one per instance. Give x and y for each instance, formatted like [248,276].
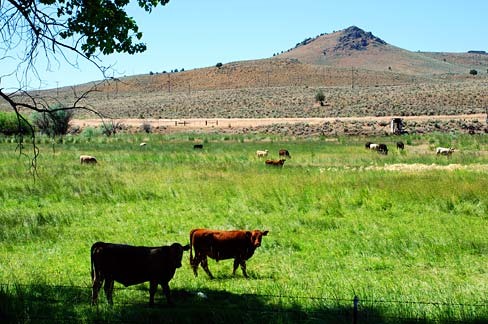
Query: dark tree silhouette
[62,32]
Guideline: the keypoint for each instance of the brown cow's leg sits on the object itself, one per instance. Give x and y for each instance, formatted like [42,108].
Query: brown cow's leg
[109,287]
[205,267]
[153,286]
[194,264]
[97,284]
[167,292]
[243,267]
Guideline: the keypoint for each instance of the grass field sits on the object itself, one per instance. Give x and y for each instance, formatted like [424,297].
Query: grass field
[411,244]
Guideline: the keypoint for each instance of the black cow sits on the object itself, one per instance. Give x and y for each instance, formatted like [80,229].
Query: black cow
[400,145]
[132,265]
[198,146]
[382,149]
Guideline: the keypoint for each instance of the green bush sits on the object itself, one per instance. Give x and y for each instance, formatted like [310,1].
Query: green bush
[9,124]
[52,123]
[320,97]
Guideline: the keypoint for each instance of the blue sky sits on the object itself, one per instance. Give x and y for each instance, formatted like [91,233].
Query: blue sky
[192,34]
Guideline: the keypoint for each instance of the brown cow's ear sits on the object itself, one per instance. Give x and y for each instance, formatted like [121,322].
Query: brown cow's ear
[186,247]
[265,233]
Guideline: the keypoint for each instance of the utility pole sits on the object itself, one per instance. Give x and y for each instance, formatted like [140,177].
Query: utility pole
[169,83]
[352,77]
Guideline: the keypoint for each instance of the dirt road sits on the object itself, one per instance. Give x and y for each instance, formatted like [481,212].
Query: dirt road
[182,124]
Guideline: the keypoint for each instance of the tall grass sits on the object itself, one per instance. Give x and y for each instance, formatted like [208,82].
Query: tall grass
[410,245]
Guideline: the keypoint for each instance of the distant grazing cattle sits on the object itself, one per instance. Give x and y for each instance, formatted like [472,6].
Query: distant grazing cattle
[382,149]
[87,159]
[198,146]
[221,245]
[278,163]
[260,153]
[444,151]
[131,265]
[143,144]
[367,145]
[400,145]
[284,153]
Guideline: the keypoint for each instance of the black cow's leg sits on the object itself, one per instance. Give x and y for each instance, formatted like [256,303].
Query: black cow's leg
[236,265]
[153,286]
[97,284]
[167,292]
[243,267]
[109,288]
[205,267]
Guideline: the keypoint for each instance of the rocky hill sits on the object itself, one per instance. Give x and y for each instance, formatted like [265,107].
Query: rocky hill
[354,47]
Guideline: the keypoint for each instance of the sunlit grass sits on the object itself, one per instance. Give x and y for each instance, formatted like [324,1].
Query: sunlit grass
[337,228]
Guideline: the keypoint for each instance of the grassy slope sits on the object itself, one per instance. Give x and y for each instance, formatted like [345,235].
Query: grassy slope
[336,229]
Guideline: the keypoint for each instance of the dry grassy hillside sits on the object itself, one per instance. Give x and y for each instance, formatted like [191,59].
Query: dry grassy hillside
[468,60]
[281,88]
[433,97]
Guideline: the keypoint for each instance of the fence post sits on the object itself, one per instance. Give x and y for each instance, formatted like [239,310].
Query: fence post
[355,310]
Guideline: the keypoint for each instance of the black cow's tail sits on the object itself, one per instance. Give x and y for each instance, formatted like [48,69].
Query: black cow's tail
[92,258]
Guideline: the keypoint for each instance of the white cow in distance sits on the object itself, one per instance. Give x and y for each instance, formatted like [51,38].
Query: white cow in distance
[260,153]
[444,151]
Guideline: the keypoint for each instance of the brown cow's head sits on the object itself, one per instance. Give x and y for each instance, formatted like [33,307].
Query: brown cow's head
[177,253]
[256,236]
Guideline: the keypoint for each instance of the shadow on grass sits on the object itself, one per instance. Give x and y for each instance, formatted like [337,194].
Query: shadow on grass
[49,304]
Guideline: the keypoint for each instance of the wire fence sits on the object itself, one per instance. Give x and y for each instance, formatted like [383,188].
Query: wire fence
[355,309]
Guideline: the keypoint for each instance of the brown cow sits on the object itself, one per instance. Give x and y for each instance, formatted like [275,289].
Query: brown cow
[283,152]
[220,245]
[275,162]
[131,265]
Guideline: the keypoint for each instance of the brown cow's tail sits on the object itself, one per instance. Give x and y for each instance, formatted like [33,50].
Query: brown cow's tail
[191,245]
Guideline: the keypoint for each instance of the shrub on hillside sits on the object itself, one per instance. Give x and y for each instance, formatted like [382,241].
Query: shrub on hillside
[11,125]
[320,97]
[473,72]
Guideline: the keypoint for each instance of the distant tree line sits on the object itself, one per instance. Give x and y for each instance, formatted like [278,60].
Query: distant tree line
[164,72]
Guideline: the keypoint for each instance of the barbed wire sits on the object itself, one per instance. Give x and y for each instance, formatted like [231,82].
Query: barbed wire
[281,296]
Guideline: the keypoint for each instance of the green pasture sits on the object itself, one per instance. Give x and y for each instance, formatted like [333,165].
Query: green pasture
[411,243]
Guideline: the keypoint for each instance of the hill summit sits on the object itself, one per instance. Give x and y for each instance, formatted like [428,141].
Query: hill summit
[354,38]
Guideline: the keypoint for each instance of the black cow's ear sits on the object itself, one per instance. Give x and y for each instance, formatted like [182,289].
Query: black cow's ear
[265,233]
[186,247]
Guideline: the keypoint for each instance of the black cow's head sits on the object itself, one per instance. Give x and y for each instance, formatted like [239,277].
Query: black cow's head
[177,253]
